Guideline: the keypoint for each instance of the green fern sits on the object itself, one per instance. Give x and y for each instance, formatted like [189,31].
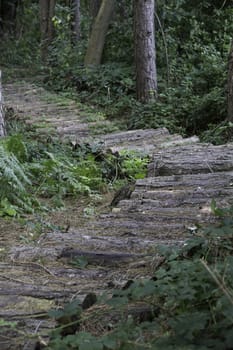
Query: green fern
[13,183]
[59,176]
[16,145]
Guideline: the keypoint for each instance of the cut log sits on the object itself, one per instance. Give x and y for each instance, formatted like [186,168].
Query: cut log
[192,159]
[165,207]
[145,141]
[99,258]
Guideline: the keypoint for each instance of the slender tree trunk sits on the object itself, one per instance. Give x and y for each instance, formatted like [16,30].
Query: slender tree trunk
[76,21]
[145,55]
[51,12]
[2,122]
[230,85]
[47,11]
[98,33]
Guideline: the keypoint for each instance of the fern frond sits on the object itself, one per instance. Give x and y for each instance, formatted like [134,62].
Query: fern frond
[13,180]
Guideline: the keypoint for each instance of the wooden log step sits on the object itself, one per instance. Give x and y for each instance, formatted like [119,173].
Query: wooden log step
[192,159]
[144,141]
[185,182]
[182,190]
[99,258]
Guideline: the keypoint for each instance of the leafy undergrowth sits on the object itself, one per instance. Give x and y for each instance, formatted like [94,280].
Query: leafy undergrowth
[186,304]
[34,169]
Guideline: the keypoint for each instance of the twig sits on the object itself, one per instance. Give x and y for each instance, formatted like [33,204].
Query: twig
[218,281]
[37,327]
[224,3]
[36,265]
[13,279]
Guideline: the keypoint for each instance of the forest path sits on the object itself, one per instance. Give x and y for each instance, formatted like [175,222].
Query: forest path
[184,175]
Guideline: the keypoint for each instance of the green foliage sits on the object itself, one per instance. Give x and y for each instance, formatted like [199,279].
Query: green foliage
[53,170]
[121,50]
[61,177]
[197,61]
[154,115]
[22,47]
[70,309]
[102,85]
[14,182]
[190,295]
[68,172]
[218,134]
[15,144]
[59,171]
[134,165]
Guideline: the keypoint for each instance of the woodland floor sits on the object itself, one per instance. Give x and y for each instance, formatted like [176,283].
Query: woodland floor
[118,243]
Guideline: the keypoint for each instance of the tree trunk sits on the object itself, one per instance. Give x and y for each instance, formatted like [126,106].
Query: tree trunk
[98,33]
[75,21]
[230,85]
[145,56]
[2,123]
[94,7]
[47,11]
[8,11]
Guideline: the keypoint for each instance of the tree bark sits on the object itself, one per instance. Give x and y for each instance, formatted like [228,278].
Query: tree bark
[98,33]
[94,7]
[47,11]
[230,85]
[76,21]
[145,55]
[2,122]
[99,258]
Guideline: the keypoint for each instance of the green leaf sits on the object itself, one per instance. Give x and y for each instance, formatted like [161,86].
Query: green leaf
[73,308]
[109,342]
[92,345]
[55,313]
[187,325]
